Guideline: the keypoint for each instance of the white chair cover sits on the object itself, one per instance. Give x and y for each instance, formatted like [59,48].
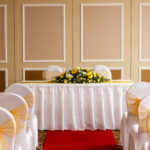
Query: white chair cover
[26,93]
[142,134]
[19,109]
[135,95]
[137,139]
[52,71]
[7,130]
[103,71]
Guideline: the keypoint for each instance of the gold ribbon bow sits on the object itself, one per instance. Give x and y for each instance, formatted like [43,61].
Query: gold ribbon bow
[20,115]
[144,119]
[8,129]
[132,103]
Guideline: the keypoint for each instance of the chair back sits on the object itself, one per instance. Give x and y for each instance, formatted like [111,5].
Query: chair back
[52,71]
[7,130]
[135,95]
[18,108]
[144,114]
[103,71]
[25,92]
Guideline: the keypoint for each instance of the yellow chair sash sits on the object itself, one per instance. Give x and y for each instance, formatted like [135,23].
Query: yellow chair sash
[132,103]
[9,129]
[29,99]
[144,119]
[20,116]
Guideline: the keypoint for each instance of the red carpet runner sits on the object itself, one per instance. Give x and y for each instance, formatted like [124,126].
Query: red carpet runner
[80,140]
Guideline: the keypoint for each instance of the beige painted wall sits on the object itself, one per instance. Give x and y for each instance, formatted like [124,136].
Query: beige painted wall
[68,37]
[136,63]
[126,36]
[145,41]
[100,25]
[9,26]
[130,63]
[44,33]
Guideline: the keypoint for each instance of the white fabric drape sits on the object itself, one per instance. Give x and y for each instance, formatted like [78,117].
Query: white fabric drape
[79,106]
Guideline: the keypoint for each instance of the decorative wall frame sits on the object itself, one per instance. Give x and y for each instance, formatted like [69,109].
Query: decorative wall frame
[64,41]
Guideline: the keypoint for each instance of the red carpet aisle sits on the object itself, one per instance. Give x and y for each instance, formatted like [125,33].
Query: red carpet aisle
[80,140]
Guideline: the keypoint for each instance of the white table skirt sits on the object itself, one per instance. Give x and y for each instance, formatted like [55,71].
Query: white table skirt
[79,106]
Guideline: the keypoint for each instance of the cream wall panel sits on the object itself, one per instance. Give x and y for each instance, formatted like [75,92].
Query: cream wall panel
[99,24]
[144,34]
[8,34]
[126,36]
[144,74]
[137,33]
[44,33]
[32,73]
[117,73]
[19,38]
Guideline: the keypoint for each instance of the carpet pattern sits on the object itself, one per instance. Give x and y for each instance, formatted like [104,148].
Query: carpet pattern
[42,135]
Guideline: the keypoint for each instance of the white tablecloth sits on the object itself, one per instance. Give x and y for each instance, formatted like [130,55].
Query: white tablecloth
[79,106]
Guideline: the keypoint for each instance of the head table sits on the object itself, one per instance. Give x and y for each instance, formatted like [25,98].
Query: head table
[79,106]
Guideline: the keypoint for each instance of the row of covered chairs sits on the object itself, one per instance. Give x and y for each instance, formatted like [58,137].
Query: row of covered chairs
[135,125]
[18,123]
[52,71]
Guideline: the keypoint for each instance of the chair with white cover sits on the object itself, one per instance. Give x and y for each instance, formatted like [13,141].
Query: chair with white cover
[134,96]
[140,134]
[103,71]
[16,105]
[32,121]
[52,71]
[7,130]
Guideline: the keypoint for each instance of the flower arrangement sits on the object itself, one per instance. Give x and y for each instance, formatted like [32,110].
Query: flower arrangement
[79,75]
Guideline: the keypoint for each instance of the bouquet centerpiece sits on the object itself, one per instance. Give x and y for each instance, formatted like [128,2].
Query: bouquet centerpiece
[79,75]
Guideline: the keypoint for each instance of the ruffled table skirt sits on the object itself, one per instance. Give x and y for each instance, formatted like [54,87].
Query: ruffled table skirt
[79,106]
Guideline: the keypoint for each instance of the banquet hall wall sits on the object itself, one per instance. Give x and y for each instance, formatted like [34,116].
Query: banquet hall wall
[69,33]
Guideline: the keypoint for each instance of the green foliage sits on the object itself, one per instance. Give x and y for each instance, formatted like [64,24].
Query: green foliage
[78,75]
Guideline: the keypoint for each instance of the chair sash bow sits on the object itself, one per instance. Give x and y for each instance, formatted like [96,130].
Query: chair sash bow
[132,103]
[20,115]
[144,119]
[6,129]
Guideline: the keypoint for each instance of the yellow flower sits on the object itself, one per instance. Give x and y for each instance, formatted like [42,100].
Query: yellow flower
[87,70]
[62,75]
[65,81]
[70,78]
[98,74]
[74,71]
[90,75]
[77,76]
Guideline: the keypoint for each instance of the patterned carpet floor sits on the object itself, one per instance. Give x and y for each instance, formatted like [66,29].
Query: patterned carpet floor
[42,135]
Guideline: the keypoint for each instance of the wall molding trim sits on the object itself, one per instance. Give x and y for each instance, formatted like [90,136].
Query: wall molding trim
[122,32]
[118,68]
[30,69]
[140,32]
[140,70]
[64,36]
[5,33]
